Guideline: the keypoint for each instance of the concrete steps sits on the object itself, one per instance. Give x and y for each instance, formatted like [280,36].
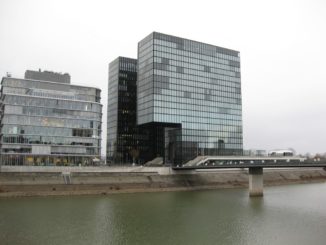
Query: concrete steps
[195,161]
[158,161]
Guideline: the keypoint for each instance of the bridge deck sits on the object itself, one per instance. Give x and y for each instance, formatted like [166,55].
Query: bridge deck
[215,162]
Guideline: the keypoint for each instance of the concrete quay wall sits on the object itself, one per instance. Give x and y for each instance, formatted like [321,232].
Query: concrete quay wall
[79,183]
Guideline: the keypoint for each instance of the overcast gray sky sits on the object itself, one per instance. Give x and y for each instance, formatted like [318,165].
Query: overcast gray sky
[282,45]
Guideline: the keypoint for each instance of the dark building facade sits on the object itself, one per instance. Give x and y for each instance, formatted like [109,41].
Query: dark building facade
[49,123]
[192,91]
[122,134]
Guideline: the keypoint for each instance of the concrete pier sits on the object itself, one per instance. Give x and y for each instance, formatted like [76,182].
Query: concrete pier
[256,185]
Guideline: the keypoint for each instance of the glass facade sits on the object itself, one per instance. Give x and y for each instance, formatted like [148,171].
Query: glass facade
[192,92]
[123,141]
[49,123]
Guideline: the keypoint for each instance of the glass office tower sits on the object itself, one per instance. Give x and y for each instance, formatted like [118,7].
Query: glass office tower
[49,123]
[189,93]
[122,134]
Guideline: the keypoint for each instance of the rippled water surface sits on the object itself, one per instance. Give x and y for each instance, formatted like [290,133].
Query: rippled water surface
[285,215]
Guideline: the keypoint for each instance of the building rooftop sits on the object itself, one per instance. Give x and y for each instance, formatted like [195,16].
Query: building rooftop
[48,76]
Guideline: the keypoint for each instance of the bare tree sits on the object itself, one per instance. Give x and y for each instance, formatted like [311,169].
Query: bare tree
[324,155]
[134,154]
[308,155]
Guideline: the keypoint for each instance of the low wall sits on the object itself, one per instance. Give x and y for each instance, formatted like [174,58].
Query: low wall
[57,183]
[101,169]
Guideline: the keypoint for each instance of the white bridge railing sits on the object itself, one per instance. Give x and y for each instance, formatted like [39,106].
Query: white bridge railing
[238,160]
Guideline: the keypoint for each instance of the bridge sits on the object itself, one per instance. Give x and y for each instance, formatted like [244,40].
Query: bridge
[254,164]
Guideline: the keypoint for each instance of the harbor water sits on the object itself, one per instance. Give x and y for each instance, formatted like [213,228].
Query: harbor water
[293,214]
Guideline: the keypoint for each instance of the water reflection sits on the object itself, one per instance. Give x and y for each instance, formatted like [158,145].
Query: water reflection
[256,203]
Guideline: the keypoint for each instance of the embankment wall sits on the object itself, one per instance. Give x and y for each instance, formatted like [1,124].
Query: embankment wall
[18,183]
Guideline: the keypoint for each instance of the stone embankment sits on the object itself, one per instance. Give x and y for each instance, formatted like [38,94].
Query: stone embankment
[42,181]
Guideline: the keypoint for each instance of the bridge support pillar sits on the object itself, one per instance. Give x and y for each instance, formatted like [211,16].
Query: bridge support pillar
[256,185]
